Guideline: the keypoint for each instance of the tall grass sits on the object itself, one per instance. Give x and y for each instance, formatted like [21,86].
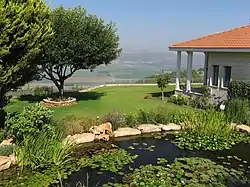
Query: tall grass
[237,111]
[43,151]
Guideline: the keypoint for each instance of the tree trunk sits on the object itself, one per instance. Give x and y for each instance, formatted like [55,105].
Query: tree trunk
[162,95]
[60,87]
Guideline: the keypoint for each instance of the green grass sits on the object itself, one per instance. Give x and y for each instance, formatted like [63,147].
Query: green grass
[103,100]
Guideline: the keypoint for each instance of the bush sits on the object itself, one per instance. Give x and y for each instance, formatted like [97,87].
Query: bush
[148,96]
[239,90]
[6,150]
[31,121]
[43,151]
[116,118]
[179,99]
[42,91]
[237,111]
[131,120]
[71,125]
[201,102]
[207,130]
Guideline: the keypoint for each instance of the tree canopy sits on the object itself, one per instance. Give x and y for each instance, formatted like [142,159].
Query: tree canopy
[162,81]
[25,28]
[81,41]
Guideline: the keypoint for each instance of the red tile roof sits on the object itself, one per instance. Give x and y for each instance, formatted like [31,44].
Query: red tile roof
[238,38]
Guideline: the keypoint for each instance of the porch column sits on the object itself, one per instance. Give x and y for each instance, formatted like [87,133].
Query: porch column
[189,70]
[205,81]
[221,75]
[178,70]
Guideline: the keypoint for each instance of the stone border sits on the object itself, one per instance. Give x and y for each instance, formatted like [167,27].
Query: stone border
[143,129]
[51,103]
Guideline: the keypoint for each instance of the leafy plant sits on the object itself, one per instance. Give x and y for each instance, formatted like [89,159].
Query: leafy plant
[162,81]
[43,151]
[179,99]
[201,102]
[43,91]
[71,125]
[130,120]
[239,90]
[237,110]
[116,118]
[184,172]
[6,150]
[31,121]
[206,130]
[109,161]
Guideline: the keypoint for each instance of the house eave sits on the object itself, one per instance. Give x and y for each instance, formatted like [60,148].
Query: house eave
[231,50]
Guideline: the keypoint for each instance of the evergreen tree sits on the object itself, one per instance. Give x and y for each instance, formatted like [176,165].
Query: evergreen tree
[25,28]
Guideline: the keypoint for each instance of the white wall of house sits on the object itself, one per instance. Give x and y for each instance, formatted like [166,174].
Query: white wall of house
[239,63]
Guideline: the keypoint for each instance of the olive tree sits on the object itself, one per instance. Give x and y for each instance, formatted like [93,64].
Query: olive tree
[81,41]
[162,81]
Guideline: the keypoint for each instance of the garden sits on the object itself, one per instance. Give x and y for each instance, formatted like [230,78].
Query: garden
[113,136]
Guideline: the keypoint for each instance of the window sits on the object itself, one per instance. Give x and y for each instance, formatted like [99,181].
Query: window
[227,76]
[215,75]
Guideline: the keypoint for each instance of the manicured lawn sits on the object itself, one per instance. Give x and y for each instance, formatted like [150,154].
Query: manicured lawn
[103,100]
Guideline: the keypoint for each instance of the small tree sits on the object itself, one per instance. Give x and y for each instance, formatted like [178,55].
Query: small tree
[162,81]
[81,41]
[25,28]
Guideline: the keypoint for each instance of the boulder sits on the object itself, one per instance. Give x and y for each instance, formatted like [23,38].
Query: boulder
[149,128]
[104,137]
[5,163]
[171,127]
[101,129]
[7,142]
[121,132]
[243,128]
[81,138]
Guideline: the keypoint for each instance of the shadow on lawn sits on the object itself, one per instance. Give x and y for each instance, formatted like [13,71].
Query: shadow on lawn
[80,96]
[158,94]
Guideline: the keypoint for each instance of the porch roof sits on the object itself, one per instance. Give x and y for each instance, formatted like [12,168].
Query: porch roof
[235,40]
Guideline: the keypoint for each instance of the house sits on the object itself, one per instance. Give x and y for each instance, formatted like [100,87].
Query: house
[227,57]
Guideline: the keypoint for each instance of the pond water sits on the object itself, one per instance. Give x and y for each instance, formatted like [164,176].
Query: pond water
[162,148]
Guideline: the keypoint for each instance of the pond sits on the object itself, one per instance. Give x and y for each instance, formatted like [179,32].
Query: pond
[150,148]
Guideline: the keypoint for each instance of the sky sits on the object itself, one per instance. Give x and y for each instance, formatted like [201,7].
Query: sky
[152,25]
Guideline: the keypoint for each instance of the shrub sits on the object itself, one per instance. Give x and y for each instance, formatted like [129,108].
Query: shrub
[237,111]
[201,102]
[148,96]
[131,120]
[42,91]
[43,151]
[207,130]
[116,118]
[71,125]
[239,89]
[145,117]
[179,99]
[6,150]
[31,121]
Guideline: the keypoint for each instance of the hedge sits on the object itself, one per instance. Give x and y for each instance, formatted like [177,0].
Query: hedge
[239,90]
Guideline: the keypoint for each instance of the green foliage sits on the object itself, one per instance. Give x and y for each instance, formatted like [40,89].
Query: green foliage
[237,110]
[130,120]
[239,90]
[116,118]
[42,91]
[162,81]
[25,29]
[43,151]
[6,150]
[113,160]
[201,102]
[71,124]
[81,41]
[179,99]
[31,121]
[191,172]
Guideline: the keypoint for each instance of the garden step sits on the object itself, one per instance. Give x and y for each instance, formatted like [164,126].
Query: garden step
[121,132]
[149,128]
